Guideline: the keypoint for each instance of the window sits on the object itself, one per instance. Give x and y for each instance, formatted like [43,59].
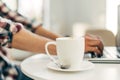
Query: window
[112,15]
[12,4]
[32,9]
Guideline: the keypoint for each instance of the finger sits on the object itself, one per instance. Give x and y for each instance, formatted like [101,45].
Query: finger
[91,36]
[91,39]
[101,44]
[98,38]
[96,43]
[101,47]
[95,50]
[92,49]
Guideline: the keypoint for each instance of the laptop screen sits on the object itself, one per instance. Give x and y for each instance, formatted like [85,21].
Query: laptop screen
[118,31]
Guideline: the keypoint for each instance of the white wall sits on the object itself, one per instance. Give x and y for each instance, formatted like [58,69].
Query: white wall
[64,13]
[58,16]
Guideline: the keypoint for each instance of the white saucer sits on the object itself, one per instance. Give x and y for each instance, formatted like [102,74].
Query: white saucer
[86,65]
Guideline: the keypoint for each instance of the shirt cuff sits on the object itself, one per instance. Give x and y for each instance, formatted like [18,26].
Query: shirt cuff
[35,25]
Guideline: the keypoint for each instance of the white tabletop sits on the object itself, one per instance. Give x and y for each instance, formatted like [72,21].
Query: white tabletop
[35,67]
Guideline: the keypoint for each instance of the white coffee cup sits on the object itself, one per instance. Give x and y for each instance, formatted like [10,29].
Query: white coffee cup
[70,51]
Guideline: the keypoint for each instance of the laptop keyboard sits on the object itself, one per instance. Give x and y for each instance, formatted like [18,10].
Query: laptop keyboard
[111,52]
[110,57]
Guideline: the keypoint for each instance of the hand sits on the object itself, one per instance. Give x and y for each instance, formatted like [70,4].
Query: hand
[94,44]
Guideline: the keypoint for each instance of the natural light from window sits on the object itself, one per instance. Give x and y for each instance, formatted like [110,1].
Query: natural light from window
[12,4]
[33,9]
[112,15]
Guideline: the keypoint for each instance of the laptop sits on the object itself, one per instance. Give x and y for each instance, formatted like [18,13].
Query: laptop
[110,56]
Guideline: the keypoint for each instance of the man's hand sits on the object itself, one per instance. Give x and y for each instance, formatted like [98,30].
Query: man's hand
[93,44]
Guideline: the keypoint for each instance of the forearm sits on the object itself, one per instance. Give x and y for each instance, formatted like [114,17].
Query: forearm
[26,40]
[43,32]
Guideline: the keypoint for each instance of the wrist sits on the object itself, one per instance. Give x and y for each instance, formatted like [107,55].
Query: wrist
[35,28]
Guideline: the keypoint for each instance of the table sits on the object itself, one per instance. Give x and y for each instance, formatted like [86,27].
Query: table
[35,68]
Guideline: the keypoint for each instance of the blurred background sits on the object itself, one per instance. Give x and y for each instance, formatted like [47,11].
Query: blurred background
[60,15]
[72,17]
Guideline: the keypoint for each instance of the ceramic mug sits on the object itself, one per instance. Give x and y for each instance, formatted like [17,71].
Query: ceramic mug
[70,51]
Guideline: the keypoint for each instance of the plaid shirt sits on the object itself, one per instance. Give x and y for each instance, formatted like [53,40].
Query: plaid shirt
[7,29]
[9,21]
[14,16]
[8,71]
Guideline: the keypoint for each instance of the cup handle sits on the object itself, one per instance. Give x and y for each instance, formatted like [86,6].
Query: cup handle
[47,52]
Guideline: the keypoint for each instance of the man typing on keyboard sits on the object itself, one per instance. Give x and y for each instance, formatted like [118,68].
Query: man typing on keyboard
[16,36]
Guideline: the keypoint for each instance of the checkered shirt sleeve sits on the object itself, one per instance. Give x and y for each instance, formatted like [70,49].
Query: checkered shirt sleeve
[16,17]
[7,29]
